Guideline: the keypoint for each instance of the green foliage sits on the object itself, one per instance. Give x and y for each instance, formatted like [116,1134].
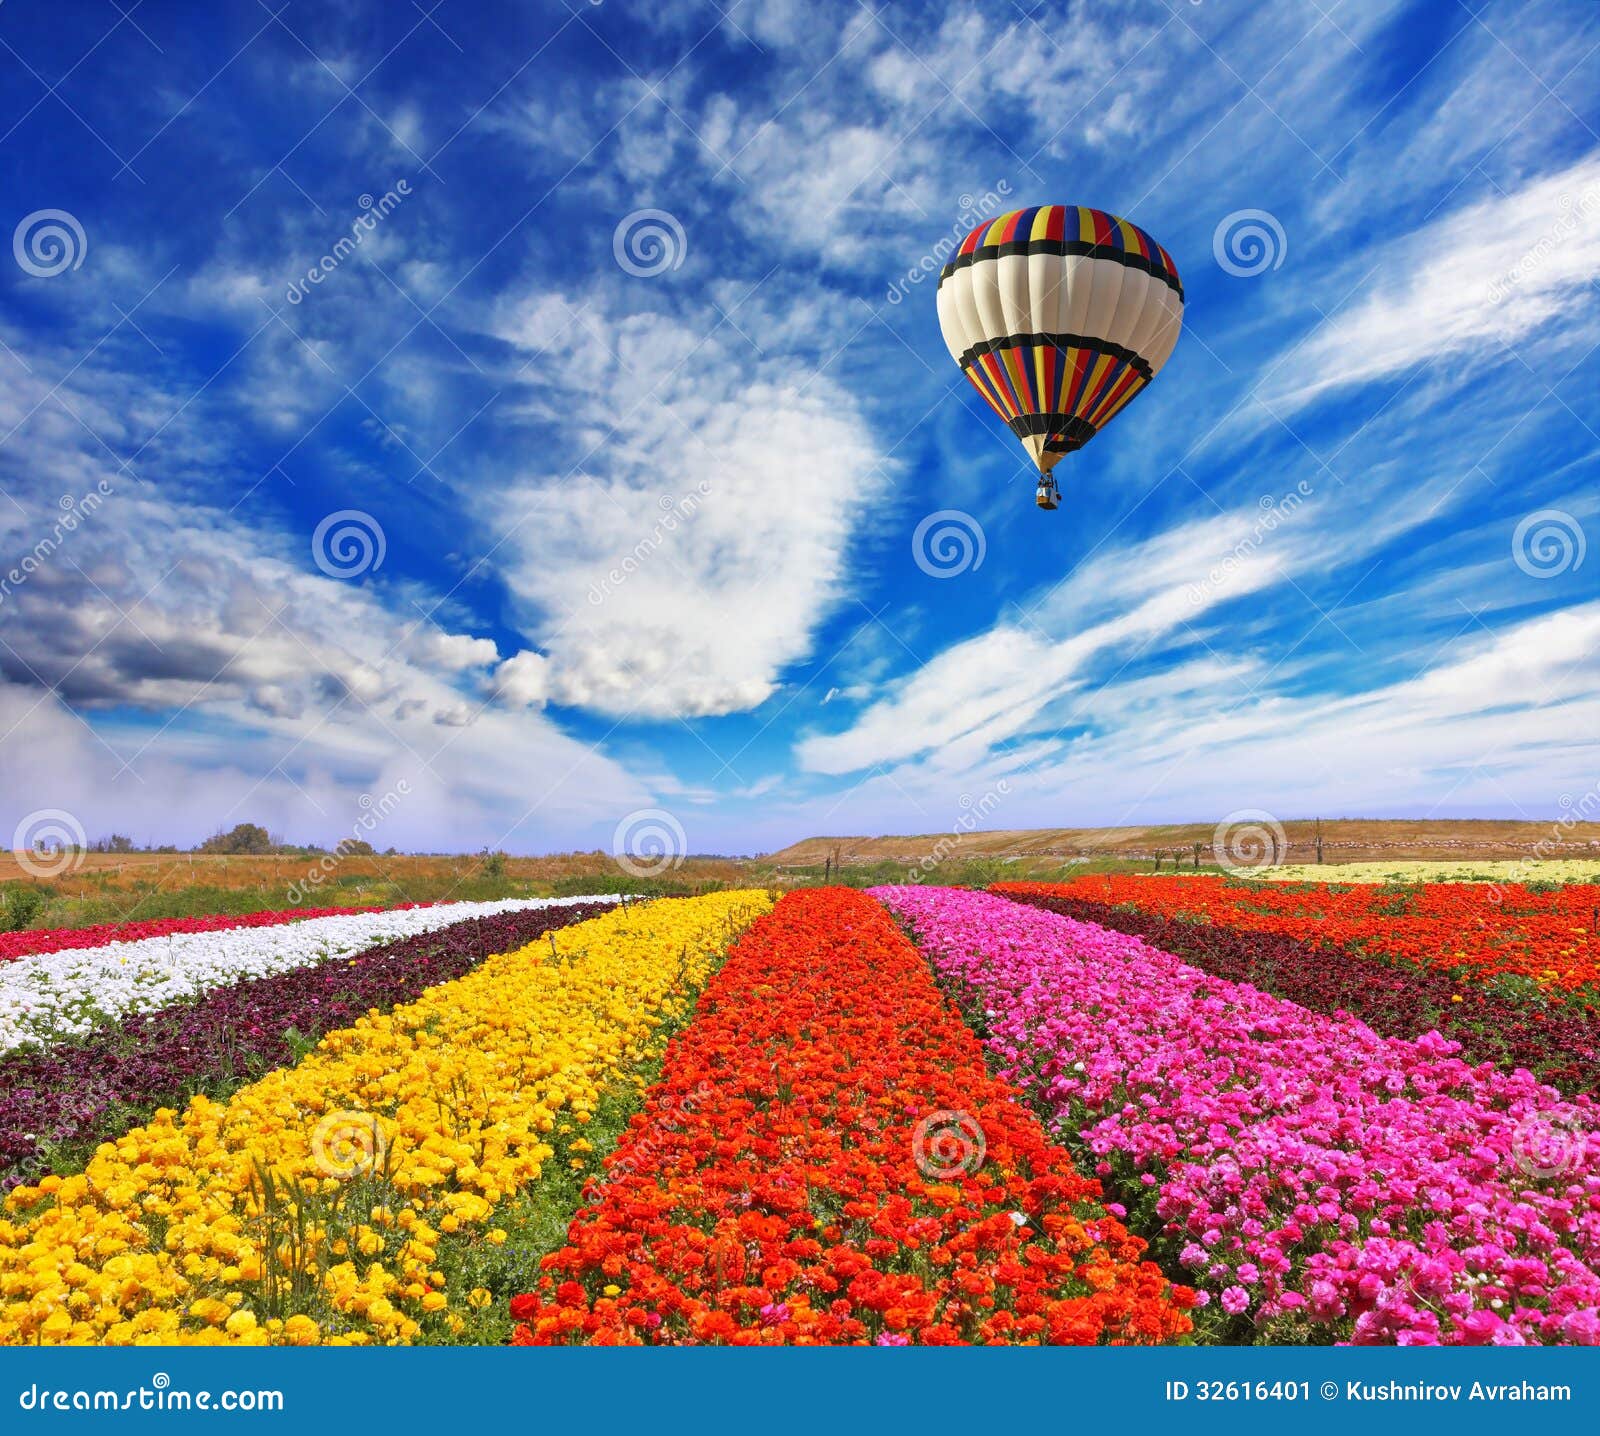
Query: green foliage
[22,907]
[245,838]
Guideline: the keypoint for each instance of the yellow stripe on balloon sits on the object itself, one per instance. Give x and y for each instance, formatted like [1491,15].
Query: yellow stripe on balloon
[1014,367]
[1089,396]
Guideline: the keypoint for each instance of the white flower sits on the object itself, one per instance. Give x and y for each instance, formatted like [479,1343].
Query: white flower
[49,995]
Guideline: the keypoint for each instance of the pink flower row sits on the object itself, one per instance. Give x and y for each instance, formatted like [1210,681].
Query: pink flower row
[1318,1178]
[61,939]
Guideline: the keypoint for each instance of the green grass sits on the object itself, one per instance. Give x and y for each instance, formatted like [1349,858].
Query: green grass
[31,906]
[535,1223]
[536,1220]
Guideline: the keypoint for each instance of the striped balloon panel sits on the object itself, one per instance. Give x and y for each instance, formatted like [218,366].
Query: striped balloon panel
[1059,316]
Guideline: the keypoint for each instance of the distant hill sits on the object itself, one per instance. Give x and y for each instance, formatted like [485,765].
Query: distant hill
[1345,840]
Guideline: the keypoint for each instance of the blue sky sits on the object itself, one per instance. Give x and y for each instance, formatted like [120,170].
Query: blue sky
[647,487]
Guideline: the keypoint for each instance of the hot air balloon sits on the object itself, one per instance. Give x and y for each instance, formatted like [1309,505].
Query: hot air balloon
[1059,316]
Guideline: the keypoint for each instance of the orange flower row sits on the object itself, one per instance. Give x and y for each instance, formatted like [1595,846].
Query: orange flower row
[826,1160]
[1489,930]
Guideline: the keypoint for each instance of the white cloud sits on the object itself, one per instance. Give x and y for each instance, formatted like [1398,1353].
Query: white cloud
[683,565]
[1495,724]
[1470,284]
[523,679]
[994,686]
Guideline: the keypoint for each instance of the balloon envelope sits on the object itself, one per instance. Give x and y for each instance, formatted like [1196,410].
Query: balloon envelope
[1059,316]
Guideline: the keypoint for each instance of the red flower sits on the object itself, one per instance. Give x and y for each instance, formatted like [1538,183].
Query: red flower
[826,1160]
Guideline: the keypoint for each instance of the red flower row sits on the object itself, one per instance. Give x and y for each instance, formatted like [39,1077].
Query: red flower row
[1489,930]
[59,939]
[826,1160]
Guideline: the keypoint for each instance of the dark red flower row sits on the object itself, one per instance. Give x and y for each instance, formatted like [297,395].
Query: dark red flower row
[96,1089]
[59,939]
[1558,1042]
[1487,930]
[826,1160]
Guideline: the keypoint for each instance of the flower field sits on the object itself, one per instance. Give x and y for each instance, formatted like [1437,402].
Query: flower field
[19,944]
[1122,1110]
[70,991]
[802,1174]
[1507,870]
[312,1204]
[1315,1177]
[1558,1041]
[1495,931]
[230,1034]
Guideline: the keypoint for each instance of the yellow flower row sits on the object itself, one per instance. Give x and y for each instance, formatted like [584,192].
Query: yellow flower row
[326,1187]
[1553,870]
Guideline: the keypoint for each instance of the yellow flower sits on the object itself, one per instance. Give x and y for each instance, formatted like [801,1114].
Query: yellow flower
[301,1331]
[478,1298]
[446,1103]
[1501,870]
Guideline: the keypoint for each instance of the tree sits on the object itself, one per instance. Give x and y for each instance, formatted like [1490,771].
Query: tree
[246,838]
[21,906]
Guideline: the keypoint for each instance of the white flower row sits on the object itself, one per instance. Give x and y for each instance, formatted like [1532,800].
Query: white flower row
[50,995]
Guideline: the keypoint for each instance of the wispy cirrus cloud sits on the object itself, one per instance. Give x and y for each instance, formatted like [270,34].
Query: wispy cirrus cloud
[1466,287]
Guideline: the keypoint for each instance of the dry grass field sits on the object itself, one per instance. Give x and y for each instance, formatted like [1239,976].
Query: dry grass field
[1345,840]
[114,887]
[117,887]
